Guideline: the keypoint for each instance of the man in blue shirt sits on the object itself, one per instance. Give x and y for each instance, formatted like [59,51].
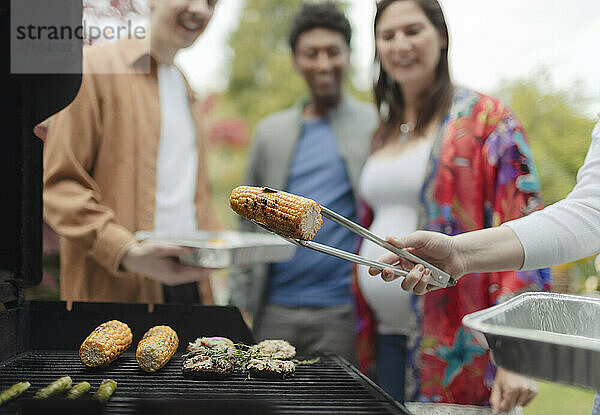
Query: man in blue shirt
[315,149]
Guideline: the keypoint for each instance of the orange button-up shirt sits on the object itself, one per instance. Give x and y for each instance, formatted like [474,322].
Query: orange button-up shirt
[100,174]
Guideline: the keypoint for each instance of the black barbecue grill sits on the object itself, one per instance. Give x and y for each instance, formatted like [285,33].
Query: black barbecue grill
[331,386]
[39,340]
[52,336]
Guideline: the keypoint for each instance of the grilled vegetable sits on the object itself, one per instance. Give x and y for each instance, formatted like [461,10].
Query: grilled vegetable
[78,390]
[271,368]
[203,366]
[285,213]
[14,391]
[209,343]
[275,349]
[156,348]
[56,387]
[105,390]
[105,343]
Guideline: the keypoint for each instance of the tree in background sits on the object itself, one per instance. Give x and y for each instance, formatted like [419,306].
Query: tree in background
[559,136]
[262,78]
[558,132]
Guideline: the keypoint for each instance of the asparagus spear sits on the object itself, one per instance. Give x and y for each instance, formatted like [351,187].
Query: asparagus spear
[105,390]
[14,391]
[78,390]
[56,387]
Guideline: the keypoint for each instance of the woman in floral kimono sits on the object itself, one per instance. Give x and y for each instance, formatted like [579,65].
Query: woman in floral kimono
[445,159]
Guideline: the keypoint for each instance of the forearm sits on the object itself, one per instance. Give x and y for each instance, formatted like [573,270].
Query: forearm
[569,229]
[489,250]
[73,208]
[91,226]
[73,201]
[495,249]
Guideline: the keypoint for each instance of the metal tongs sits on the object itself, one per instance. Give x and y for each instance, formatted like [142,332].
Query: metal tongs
[438,277]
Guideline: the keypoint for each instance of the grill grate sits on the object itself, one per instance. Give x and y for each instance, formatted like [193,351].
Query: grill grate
[327,387]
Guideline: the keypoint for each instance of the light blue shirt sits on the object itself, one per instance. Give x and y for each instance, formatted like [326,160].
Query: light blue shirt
[318,172]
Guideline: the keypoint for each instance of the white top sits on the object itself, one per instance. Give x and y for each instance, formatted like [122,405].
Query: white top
[569,229]
[392,187]
[177,161]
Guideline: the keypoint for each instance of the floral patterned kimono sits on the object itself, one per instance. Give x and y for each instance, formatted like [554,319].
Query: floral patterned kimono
[480,174]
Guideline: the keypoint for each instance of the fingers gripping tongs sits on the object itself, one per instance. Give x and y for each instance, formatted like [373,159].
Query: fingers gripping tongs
[438,277]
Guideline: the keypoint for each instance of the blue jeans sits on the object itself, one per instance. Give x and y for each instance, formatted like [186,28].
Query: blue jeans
[596,408]
[391,364]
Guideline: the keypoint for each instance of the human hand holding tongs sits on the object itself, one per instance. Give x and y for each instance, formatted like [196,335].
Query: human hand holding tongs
[439,278]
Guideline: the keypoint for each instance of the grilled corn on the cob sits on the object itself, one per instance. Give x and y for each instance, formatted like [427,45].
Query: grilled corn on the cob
[285,213]
[105,343]
[156,348]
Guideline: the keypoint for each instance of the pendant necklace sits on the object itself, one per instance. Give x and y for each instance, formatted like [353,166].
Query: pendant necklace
[406,130]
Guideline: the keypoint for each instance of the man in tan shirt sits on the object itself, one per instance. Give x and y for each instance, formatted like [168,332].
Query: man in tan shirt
[128,154]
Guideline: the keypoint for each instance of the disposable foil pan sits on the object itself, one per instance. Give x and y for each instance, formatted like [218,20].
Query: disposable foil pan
[432,408]
[545,335]
[227,248]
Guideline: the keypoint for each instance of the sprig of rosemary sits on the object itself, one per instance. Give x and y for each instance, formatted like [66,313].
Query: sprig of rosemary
[240,354]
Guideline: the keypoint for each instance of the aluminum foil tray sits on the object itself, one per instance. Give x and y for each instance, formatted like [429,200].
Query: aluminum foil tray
[545,335]
[431,408]
[227,248]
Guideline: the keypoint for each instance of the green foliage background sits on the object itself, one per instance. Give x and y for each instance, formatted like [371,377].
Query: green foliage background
[559,135]
[263,80]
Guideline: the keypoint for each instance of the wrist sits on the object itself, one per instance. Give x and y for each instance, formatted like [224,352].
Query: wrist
[460,246]
[110,244]
[128,254]
[489,250]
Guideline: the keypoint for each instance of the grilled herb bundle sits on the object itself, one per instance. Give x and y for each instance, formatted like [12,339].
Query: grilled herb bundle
[239,354]
[268,359]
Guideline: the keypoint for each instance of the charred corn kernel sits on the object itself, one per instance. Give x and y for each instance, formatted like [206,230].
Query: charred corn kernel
[285,213]
[56,387]
[105,390]
[105,343]
[156,348]
[14,391]
[78,390]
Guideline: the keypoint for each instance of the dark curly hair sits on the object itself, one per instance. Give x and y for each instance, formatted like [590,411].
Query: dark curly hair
[325,15]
